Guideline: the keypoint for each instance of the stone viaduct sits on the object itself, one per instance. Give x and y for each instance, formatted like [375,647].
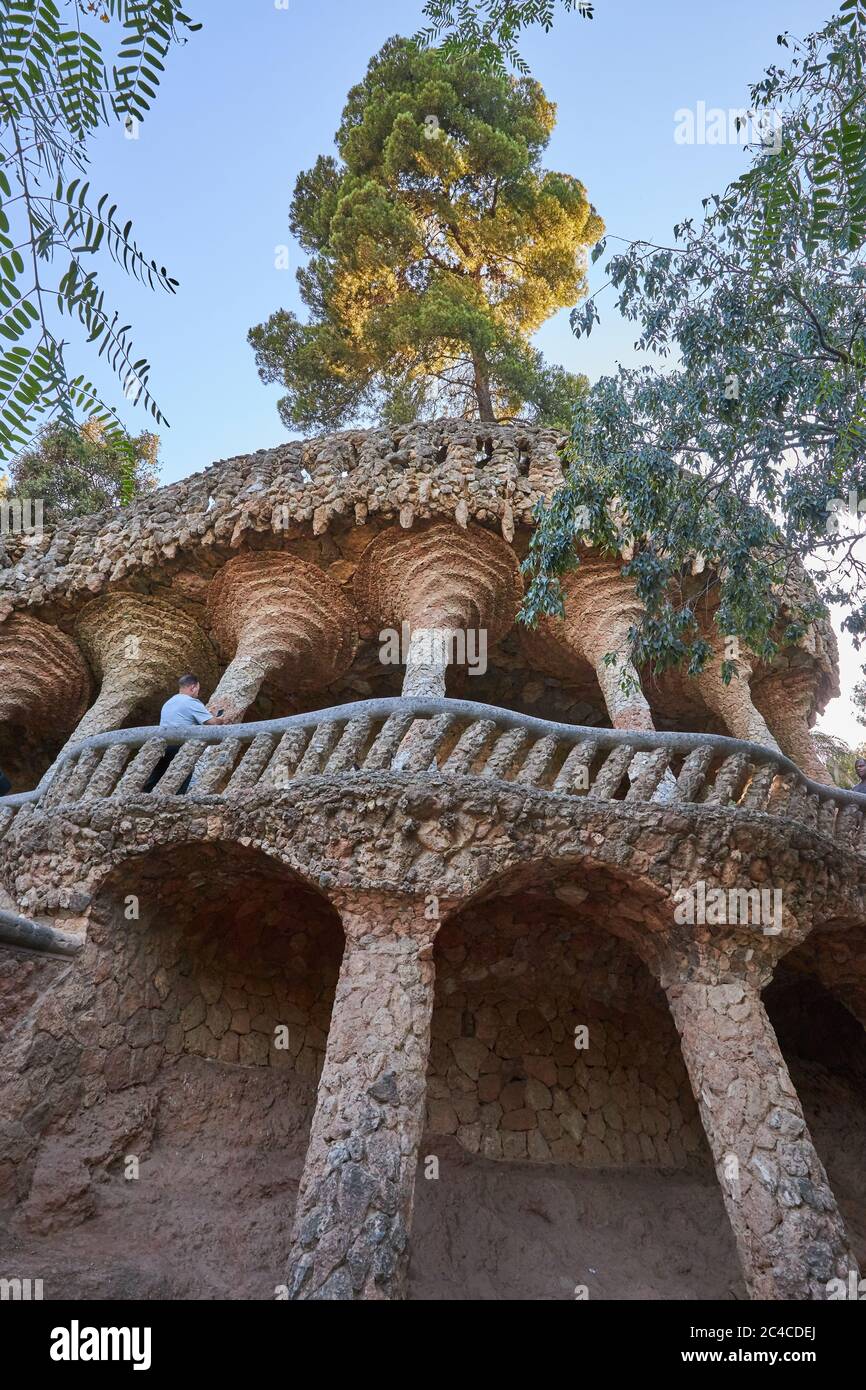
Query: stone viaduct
[405,907]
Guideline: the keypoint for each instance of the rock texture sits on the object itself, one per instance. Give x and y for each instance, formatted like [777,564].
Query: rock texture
[601,609]
[324,501]
[351,1237]
[782,1211]
[440,581]
[137,647]
[343,965]
[45,687]
[276,618]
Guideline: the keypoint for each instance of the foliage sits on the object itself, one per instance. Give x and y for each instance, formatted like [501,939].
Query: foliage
[838,757]
[58,87]
[438,244]
[84,470]
[750,452]
[488,29]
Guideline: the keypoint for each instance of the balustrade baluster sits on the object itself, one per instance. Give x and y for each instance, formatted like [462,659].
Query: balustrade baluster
[575,774]
[507,754]
[349,752]
[539,761]
[651,775]
[141,767]
[252,764]
[730,780]
[213,770]
[757,793]
[387,741]
[693,775]
[283,765]
[469,747]
[319,749]
[107,775]
[611,773]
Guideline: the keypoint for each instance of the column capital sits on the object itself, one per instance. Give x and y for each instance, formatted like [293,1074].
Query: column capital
[372,917]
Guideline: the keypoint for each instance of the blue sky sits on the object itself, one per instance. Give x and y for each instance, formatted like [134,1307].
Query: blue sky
[256,96]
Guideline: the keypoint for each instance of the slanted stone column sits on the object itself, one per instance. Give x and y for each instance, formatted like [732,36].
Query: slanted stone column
[788,700]
[354,1213]
[431,651]
[275,617]
[600,608]
[733,702]
[789,1233]
[138,647]
[450,585]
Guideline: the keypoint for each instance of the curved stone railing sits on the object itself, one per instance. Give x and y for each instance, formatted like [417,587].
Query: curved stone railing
[452,738]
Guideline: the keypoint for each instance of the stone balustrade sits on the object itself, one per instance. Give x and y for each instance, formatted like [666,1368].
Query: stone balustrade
[450,738]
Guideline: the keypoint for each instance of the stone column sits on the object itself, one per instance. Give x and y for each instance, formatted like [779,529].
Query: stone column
[449,585]
[789,1233]
[275,617]
[138,647]
[789,700]
[354,1213]
[431,650]
[600,609]
[733,702]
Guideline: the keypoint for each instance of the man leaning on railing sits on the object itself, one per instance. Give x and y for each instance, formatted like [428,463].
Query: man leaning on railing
[183,708]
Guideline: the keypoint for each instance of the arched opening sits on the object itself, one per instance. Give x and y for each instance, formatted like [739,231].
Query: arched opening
[816,1002]
[569,1150]
[27,752]
[200,1014]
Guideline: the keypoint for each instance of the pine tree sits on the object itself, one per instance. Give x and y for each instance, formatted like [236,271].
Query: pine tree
[438,245]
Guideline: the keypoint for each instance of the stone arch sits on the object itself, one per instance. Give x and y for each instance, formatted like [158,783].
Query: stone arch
[816,1003]
[164,1042]
[276,827]
[212,911]
[596,1130]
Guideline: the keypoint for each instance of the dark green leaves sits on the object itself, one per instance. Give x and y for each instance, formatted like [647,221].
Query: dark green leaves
[488,29]
[748,459]
[57,88]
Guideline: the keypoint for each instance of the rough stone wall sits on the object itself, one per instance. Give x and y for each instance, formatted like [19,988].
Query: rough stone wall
[354,1212]
[515,978]
[450,470]
[323,502]
[222,954]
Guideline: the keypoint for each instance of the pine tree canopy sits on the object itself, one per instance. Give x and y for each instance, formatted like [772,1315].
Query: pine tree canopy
[438,244]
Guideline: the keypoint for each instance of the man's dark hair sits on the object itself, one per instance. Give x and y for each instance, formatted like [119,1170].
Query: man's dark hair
[188,679]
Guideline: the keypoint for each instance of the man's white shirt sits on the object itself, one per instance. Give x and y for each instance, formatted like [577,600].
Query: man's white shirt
[184,709]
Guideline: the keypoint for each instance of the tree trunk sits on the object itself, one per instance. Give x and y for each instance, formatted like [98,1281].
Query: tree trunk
[482,389]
